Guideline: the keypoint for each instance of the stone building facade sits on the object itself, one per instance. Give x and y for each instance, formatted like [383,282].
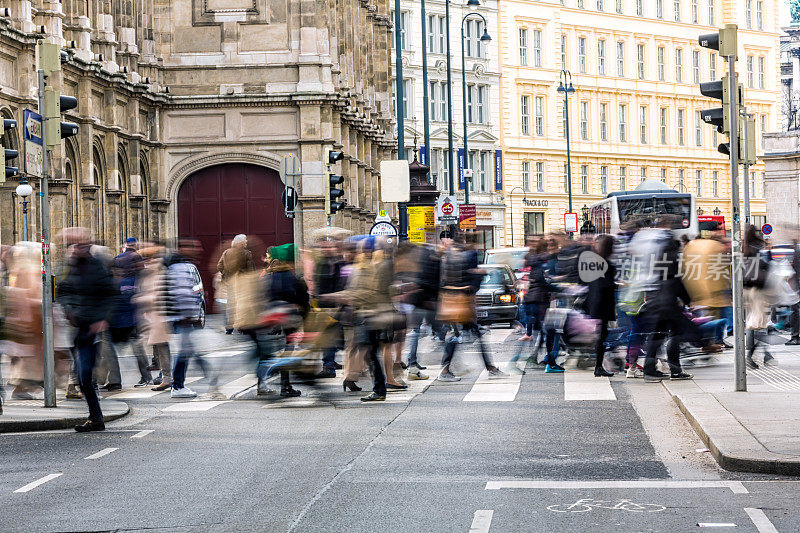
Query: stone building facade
[170,89]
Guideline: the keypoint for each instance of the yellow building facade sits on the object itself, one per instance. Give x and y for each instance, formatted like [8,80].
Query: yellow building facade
[635,111]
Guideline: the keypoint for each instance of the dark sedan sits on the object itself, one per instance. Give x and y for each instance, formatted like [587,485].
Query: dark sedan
[497,298]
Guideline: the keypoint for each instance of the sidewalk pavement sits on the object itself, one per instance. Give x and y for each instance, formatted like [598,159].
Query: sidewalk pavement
[31,415]
[753,431]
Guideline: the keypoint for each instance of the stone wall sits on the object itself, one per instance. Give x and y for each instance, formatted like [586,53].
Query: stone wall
[781,178]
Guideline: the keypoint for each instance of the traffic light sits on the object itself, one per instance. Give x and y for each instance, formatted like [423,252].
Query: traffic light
[7,154]
[717,116]
[333,182]
[724,41]
[54,106]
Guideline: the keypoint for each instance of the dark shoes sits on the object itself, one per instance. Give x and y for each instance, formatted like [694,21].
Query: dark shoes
[392,386]
[680,376]
[418,366]
[337,366]
[750,363]
[162,386]
[327,373]
[374,397]
[90,426]
[290,393]
[350,385]
[794,341]
[602,373]
[229,331]
[655,377]
[111,386]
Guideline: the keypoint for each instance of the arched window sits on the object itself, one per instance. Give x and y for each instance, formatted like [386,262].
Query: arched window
[98,165]
[122,171]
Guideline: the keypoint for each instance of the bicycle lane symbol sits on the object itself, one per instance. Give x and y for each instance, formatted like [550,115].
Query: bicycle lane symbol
[588,504]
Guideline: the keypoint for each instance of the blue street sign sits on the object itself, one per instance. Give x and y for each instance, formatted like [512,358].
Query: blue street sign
[34,143]
[498,170]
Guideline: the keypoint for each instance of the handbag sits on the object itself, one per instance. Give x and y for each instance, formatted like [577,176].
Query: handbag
[456,306]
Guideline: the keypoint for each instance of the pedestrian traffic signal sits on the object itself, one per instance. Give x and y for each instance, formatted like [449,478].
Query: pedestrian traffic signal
[54,106]
[334,156]
[333,182]
[717,116]
[7,154]
[724,41]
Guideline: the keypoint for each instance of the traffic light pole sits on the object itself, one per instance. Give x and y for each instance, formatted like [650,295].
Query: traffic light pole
[47,273]
[740,369]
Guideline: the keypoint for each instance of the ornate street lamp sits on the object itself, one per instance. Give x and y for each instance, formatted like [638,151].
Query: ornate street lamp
[24,190]
[511,208]
[585,212]
[565,86]
[717,212]
[700,211]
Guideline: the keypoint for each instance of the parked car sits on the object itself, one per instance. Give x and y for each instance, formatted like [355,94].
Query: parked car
[497,297]
[198,287]
[513,257]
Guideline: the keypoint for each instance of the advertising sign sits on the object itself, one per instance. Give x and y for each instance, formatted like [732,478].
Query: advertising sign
[461,165]
[383,228]
[467,216]
[34,145]
[571,222]
[498,170]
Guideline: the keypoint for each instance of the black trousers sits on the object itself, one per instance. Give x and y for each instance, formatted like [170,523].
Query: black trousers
[600,347]
[375,340]
[450,346]
[87,358]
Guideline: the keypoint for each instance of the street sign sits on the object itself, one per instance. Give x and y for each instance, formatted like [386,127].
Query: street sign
[385,229]
[446,209]
[766,229]
[571,222]
[34,144]
[467,216]
[382,216]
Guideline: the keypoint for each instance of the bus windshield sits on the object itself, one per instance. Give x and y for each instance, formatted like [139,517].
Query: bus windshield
[648,210]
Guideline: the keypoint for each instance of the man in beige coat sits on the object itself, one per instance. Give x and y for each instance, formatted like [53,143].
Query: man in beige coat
[234,261]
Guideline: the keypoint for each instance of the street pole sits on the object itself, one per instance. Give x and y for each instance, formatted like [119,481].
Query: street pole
[47,275]
[511,210]
[426,131]
[569,161]
[449,101]
[746,172]
[25,219]
[401,145]
[464,107]
[740,368]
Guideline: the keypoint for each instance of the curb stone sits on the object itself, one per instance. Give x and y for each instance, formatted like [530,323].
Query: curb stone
[111,412]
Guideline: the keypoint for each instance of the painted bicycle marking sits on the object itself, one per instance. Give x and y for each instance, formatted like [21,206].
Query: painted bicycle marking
[588,504]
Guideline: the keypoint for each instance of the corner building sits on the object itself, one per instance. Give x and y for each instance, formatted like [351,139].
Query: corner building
[188,110]
[635,112]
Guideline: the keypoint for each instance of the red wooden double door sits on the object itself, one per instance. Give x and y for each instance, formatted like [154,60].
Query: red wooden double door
[217,203]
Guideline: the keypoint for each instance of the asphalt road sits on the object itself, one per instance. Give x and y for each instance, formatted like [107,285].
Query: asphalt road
[426,461]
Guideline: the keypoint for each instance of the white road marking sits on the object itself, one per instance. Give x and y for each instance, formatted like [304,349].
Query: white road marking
[585,386]
[777,378]
[197,405]
[101,453]
[494,390]
[142,433]
[760,520]
[145,392]
[716,524]
[736,486]
[33,484]
[481,521]
[224,353]
[238,385]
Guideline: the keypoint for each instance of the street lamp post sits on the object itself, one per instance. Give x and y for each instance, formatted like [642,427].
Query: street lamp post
[24,190]
[401,149]
[511,209]
[484,38]
[426,135]
[565,86]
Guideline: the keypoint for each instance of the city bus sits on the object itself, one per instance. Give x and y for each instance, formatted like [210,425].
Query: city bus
[646,204]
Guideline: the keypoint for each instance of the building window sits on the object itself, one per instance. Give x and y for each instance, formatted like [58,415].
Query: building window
[538,109]
[540,176]
[580,4]
[534,224]
[523,47]
[763,124]
[677,10]
[432,102]
[470,105]
[619,6]
[748,14]
[600,5]
[643,173]
[698,185]
[750,74]
[537,48]
[473,33]
[661,69]
[601,57]
[660,9]
[524,113]
[694,12]
[681,181]
[663,175]
[563,52]
[761,80]
[639,8]
[710,12]
[760,15]
[566,178]
[482,171]
[643,124]
[621,59]
[436,34]
[408,87]
[696,65]
[662,118]
[640,61]
[603,122]
[404,21]
[679,65]
[715,183]
[622,123]
[526,176]
[480,104]
[585,179]
[698,129]
[623,178]
[603,180]
[582,55]
[585,121]
[712,65]
[681,114]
